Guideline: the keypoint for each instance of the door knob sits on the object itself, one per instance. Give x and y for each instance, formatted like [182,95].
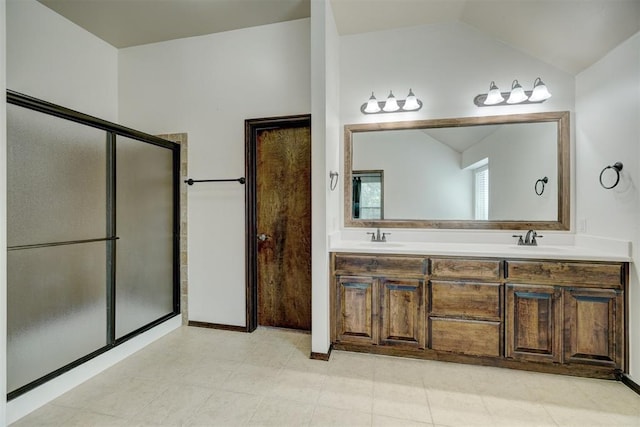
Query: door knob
[262,237]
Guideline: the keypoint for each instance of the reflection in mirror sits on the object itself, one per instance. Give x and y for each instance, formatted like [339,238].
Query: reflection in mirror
[368,194]
[478,172]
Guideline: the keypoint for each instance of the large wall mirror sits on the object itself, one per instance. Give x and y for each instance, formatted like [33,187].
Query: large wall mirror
[496,172]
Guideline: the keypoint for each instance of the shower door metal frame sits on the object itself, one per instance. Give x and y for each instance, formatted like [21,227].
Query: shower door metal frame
[112,131]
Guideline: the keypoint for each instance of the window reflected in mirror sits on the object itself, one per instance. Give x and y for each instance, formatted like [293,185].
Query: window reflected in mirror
[368,194]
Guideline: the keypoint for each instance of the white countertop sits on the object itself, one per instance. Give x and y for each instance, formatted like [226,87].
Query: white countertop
[588,249]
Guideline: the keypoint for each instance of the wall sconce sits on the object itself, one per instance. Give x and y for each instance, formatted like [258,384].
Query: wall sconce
[518,95]
[391,105]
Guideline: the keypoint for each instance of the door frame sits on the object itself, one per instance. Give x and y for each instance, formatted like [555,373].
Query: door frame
[252,127]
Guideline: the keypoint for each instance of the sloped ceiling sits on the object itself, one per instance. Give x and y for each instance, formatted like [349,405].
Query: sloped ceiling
[569,34]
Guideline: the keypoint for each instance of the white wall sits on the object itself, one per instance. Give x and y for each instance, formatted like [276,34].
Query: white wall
[325,138]
[608,130]
[3,221]
[519,155]
[50,58]
[432,169]
[208,86]
[446,65]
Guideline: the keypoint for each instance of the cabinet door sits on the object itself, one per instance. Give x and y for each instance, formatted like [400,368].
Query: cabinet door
[594,321]
[402,312]
[356,310]
[534,323]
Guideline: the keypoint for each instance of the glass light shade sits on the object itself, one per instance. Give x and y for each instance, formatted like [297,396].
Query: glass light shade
[411,103]
[372,105]
[540,91]
[391,104]
[517,94]
[494,96]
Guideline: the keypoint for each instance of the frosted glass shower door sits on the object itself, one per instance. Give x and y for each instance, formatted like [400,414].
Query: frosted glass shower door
[56,181]
[145,250]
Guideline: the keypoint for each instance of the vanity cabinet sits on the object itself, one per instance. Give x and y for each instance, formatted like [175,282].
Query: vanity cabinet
[567,312]
[380,300]
[544,315]
[465,306]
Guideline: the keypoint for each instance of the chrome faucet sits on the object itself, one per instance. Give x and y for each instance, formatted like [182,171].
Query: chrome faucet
[376,237]
[529,240]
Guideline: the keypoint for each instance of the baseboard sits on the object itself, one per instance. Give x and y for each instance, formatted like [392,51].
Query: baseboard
[321,356]
[630,383]
[217,326]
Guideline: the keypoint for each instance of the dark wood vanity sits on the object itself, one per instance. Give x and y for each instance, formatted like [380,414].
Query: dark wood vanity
[557,316]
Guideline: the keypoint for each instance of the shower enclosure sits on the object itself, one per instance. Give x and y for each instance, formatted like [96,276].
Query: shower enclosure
[92,237]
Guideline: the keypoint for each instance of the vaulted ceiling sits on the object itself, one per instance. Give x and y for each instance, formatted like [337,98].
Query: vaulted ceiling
[570,34]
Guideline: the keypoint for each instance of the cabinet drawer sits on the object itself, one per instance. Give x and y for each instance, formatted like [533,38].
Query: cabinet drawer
[378,265]
[456,268]
[564,272]
[465,336]
[471,300]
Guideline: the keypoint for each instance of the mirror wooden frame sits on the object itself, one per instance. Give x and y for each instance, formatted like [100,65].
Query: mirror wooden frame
[564,196]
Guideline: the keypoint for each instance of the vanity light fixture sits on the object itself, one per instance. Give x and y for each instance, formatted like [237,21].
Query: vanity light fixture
[518,95]
[391,105]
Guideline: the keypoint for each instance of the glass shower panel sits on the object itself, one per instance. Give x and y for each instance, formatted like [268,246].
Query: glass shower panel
[144,252]
[56,179]
[57,308]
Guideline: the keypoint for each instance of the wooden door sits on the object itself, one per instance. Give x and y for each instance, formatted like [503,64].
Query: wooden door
[593,326]
[283,225]
[402,312]
[534,323]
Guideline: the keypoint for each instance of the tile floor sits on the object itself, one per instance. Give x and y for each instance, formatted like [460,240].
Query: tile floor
[205,377]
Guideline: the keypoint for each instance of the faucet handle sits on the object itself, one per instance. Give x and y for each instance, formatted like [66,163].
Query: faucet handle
[533,239]
[520,241]
[373,235]
[384,236]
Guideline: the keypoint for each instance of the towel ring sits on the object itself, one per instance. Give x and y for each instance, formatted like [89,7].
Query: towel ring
[617,166]
[541,181]
[333,184]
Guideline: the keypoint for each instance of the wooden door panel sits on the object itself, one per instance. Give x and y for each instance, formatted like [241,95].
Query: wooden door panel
[592,326]
[533,323]
[402,312]
[283,196]
[356,312]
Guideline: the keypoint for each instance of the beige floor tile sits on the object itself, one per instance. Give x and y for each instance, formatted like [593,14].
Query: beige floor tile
[279,412]
[347,393]
[129,399]
[85,418]
[251,379]
[225,408]
[452,408]
[401,401]
[506,412]
[384,421]
[569,416]
[205,377]
[174,406]
[298,386]
[48,415]
[333,417]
